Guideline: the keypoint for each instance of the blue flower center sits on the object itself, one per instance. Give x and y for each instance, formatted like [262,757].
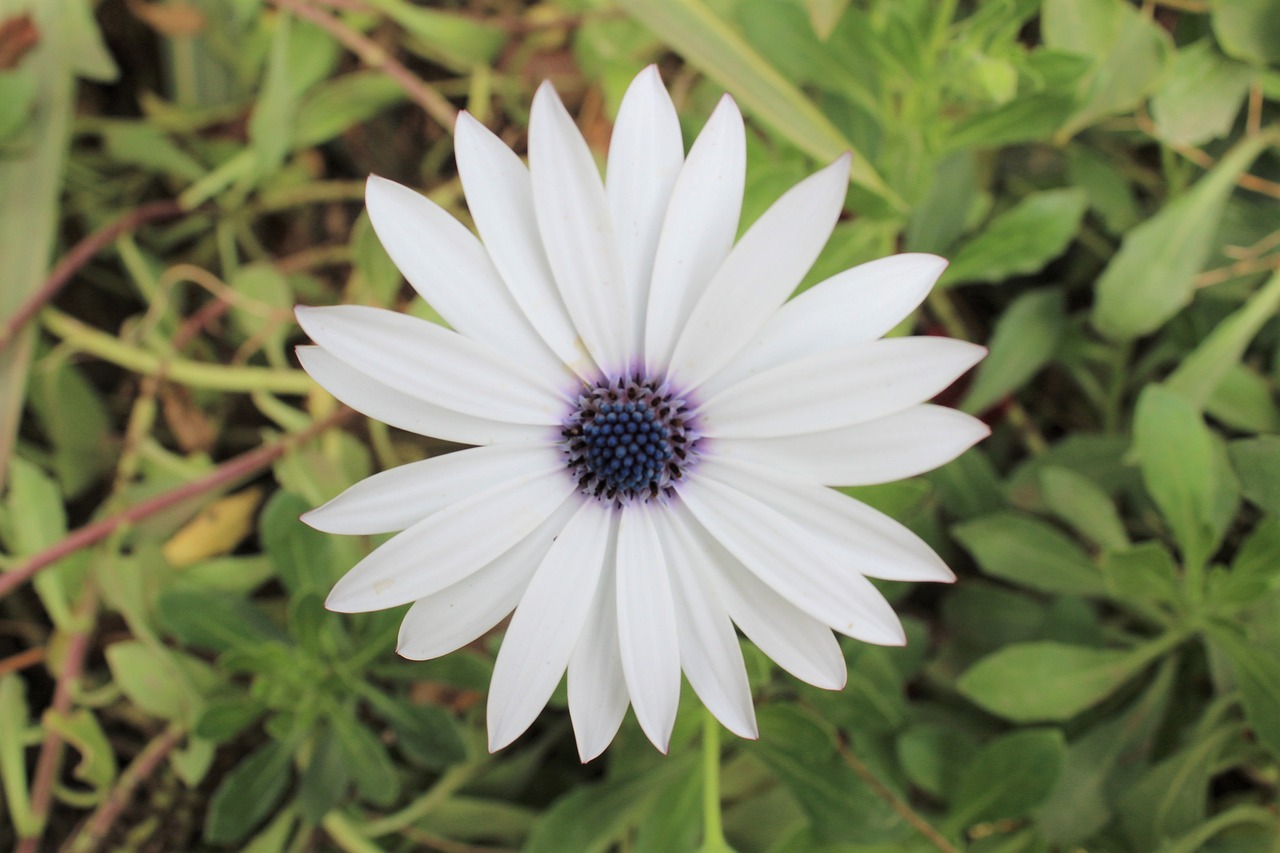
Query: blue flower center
[628,439]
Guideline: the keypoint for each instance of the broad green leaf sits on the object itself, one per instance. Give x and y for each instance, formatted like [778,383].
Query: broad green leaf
[1257,464]
[1201,372]
[1202,96]
[592,816]
[1078,502]
[1257,673]
[215,621]
[1129,51]
[1049,682]
[1029,118]
[1029,552]
[1151,278]
[302,555]
[426,734]
[1008,777]
[17,97]
[162,682]
[75,421]
[1021,240]
[1172,797]
[1248,29]
[1025,338]
[1110,192]
[1081,803]
[325,780]
[709,43]
[1176,454]
[934,756]
[248,794]
[944,212]
[1244,400]
[1255,572]
[839,803]
[458,41]
[222,719]
[371,767]
[674,820]
[141,144]
[13,746]
[1143,573]
[337,105]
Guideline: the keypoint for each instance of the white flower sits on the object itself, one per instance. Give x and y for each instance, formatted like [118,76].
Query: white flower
[590,306]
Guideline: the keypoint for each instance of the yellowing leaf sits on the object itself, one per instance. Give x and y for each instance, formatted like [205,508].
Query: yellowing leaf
[216,530]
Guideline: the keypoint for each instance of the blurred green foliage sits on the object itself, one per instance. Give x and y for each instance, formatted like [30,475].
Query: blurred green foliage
[1103,177]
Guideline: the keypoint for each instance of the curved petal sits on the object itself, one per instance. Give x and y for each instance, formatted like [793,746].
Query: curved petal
[709,650]
[801,566]
[402,411]
[647,626]
[449,545]
[449,268]
[434,364]
[645,157]
[698,232]
[547,624]
[860,538]
[597,691]
[577,232]
[856,306]
[793,639]
[838,388]
[459,614]
[891,448]
[500,198]
[759,274]
[399,497]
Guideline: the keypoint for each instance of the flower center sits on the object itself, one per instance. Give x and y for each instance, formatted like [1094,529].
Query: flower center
[629,438]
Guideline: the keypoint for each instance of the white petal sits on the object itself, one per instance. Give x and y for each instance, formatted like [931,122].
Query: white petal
[862,539]
[449,545]
[645,157]
[397,498]
[759,274]
[434,364]
[577,232]
[449,268]
[796,641]
[858,305]
[838,388]
[698,233]
[402,411]
[597,691]
[647,636]
[459,614]
[500,198]
[891,448]
[709,650]
[803,567]
[547,624]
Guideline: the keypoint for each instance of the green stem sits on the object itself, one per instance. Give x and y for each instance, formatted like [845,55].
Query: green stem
[713,840]
[346,835]
[448,784]
[217,377]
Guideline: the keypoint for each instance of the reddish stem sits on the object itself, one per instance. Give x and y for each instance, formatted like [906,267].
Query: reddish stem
[80,255]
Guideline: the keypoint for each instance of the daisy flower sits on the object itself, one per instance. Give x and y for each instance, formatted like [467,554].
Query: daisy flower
[655,425]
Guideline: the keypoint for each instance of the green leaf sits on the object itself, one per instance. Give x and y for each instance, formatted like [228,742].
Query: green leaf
[1049,682]
[302,555]
[839,803]
[326,778]
[1027,119]
[1079,502]
[427,734]
[371,767]
[1029,552]
[710,44]
[1021,240]
[1257,464]
[162,682]
[13,745]
[1204,369]
[1248,29]
[1200,100]
[1128,49]
[215,620]
[943,214]
[1244,400]
[337,105]
[1143,573]
[222,719]
[148,147]
[272,121]
[1009,777]
[76,422]
[80,729]
[674,820]
[1025,338]
[1257,673]
[457,41]
[825,14]
[248,794]
[17,97]
[1151,278]
[1172,797]
[1176,454]
[1110,192]
[934,757]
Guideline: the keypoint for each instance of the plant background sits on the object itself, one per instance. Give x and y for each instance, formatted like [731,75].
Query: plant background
[1105,675]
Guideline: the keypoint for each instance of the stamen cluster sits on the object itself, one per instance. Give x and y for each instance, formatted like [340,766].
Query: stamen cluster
[629,438]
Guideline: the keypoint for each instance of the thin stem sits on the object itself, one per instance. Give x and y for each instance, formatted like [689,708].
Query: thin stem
[78,257]
[713,840]
[448,784]
[895,802]
[244,465]
[216,377]
[347,835]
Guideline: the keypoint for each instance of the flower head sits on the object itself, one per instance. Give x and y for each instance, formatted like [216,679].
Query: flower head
[656,426]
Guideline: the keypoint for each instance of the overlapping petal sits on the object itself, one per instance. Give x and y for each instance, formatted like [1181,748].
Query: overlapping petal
[598,696]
